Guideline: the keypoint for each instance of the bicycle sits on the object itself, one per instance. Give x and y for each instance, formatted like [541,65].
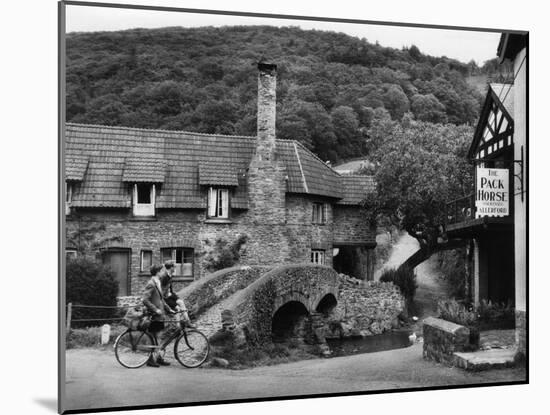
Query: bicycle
[134,347]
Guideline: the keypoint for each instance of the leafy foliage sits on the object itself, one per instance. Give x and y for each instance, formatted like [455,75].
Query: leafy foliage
[487,316]
[456,312]
[496,315]
[224,254]
[420,167]
[204,79]
[404,278]
[452,264]
[90,283]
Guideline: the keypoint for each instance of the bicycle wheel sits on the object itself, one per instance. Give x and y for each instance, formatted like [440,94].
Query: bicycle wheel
[191,348]
[133,348]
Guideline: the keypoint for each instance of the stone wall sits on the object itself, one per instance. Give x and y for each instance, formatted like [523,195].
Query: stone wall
[364,308]
[128,301]
[302,234]
[352,227]
[270,241]
[361,308]
[443,338]
[521,333]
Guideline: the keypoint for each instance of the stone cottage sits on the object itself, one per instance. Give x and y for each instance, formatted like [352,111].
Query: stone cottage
[136,197]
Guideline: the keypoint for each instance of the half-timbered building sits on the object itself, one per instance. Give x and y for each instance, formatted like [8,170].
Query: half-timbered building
[493,218]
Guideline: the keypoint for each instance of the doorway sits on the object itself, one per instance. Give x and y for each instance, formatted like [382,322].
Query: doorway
[119,262]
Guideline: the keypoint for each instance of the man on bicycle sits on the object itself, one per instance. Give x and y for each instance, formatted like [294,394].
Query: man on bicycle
[170,297]
[153,300]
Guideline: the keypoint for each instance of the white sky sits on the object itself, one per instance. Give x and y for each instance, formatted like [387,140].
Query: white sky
[458,44]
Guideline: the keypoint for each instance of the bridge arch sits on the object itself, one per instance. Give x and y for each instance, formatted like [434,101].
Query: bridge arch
[267,304]
[327,304]
[289,321]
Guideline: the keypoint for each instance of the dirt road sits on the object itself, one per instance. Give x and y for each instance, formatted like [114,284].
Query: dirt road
[95,379]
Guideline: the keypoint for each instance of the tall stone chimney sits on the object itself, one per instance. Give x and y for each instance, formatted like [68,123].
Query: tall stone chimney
[267,102]
[266,214]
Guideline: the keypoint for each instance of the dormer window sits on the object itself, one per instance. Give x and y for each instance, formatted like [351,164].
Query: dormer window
[68,197]
[218,203]
[144,199]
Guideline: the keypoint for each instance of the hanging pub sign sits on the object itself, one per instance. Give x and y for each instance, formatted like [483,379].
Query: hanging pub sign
[492,192]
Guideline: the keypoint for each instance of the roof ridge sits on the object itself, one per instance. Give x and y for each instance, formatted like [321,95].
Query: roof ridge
[358,175]
[120,127]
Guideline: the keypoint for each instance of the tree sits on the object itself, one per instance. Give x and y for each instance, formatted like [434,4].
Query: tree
[309,124]
[346,129]
[105,109]
[428,108]
[419,169]
[396,101]
[415,53]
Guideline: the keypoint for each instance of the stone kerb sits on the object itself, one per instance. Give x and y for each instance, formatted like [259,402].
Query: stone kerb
[253,308]
[443,338]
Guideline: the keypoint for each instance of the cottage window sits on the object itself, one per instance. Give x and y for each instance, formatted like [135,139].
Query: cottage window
[318,256]
[182,257]
[319,213]
[146,260]
[218,203]
[144,199]
[70,254]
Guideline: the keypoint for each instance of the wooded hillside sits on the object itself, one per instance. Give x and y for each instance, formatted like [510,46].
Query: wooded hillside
[204,79]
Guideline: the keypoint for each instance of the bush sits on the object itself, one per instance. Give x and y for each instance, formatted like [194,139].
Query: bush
[488,315]
[452,264]
[456,312]
[90,283]
[496,315]
[404,278]
[224,254]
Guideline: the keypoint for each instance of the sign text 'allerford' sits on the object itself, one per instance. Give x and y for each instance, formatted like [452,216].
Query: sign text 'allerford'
[492,192]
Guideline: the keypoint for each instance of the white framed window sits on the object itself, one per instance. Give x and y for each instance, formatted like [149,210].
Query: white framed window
[318,256]
[319,213]
[146,260]
[143,199]
[70,254]
[68,197]
[218,203]
[183,260]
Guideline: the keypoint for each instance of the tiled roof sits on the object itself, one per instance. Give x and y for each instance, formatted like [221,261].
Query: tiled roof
[356,188]
[118,155]
[103,186]
[75,167]
[320,178]
[505,93]
[141,170]
[215,173]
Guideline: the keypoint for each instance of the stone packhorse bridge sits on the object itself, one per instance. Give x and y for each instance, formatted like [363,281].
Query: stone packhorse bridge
[288,301]
[304,301]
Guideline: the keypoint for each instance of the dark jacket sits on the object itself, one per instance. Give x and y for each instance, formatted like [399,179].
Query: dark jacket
[153,300]
[168,293]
